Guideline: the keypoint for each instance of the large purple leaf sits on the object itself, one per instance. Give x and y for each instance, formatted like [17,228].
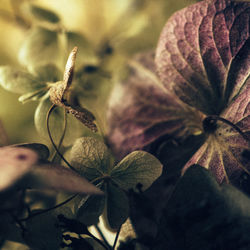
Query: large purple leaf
[142,110]
[203,60]
[224,150]
[203,53]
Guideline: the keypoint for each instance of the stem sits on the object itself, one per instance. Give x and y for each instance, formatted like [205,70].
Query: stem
[51,139]
[106,246]
[116,237]
[62,136]
[102,235]
[49,209]
[215,117]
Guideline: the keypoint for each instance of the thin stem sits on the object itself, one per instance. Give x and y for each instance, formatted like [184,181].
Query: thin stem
[62,136]
[116,237]
[215,117]
[106,246]
[49,209]
[51,139]
[102,235]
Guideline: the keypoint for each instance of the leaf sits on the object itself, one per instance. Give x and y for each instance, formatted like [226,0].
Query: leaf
[59,95]
[203,53]
[91,158]
[202,59]
[14,164]
[42,232]
[89,208]
[41,149]
[137,168]
[18,80]
[47,73]
[200,210]
[44,14]
[151,111]
[60,178]
[41,47]
[117,207]
[222,152]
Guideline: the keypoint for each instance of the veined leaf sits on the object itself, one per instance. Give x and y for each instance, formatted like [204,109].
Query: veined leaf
[138,167]
[91,158]
[203,53]
[151,111]
[222,152]
[203,60]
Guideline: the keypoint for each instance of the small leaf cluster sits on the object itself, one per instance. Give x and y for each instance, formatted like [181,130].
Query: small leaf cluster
[92,159]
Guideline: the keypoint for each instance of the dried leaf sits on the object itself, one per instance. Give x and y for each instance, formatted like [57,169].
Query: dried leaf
[59,95]
[203,60]
[203,53]
[222,152]
[151,111]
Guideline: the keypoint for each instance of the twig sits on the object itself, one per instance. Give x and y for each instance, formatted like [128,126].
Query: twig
[51,139]
[49,209]
[116,237]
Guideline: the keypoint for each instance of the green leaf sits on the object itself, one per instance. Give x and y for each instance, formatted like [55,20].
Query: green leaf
[117,207]
[89,208]
[41,47]
[42,232]
[91,158]
[41,149]
[202,215]
[48,73]
[44,14]
[18,81]
[137,167]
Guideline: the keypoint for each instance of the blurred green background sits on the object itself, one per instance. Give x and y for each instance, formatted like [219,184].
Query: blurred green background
[127,26]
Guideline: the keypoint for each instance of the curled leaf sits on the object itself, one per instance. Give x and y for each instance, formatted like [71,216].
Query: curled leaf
[59,95]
